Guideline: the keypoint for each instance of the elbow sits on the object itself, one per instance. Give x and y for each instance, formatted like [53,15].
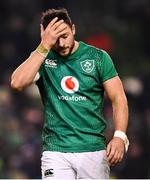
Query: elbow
[15,86]
[19,83]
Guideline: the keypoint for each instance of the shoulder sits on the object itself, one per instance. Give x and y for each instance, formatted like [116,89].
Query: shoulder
[92,49]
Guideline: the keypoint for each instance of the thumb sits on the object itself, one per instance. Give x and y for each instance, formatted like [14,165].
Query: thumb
[108,149]
[42,29]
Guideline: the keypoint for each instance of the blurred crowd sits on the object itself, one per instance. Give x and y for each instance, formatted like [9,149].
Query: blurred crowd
[122,29]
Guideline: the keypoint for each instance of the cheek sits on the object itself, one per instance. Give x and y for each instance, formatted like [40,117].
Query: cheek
[70,40]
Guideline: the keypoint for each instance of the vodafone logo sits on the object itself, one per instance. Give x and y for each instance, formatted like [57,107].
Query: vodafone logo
[69,84]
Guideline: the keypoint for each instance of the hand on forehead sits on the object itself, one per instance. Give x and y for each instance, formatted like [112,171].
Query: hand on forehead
[56,23]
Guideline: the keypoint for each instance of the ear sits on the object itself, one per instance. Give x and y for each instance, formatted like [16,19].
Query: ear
[73,29]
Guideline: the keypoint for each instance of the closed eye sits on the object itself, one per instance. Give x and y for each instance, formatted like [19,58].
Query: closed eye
[64,36]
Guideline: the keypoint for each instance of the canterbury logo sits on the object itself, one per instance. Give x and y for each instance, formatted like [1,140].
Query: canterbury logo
[51,63]
[48,172]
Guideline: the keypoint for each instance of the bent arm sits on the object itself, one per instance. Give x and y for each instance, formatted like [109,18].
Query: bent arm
[24,75]
[115,92]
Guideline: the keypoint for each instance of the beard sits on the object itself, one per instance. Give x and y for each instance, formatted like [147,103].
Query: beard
[61,50]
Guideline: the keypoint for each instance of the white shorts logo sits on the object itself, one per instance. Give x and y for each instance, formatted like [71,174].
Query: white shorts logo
[69,84]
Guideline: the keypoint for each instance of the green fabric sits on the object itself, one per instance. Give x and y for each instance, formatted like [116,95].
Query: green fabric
[73,119]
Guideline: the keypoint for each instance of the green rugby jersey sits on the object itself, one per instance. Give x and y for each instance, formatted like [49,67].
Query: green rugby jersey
[72,93]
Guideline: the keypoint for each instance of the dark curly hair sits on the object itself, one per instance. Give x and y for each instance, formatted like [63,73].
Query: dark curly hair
[50,14]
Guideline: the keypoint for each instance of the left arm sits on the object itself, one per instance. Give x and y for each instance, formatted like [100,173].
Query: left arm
[115,92]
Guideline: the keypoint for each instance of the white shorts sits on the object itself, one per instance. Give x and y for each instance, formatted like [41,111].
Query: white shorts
[85,165]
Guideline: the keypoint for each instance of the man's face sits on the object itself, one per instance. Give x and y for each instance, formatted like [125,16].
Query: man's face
[65,43]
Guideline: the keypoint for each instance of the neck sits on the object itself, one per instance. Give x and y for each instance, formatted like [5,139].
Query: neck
[76,45]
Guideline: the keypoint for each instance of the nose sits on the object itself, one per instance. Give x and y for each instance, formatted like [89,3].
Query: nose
[61,42]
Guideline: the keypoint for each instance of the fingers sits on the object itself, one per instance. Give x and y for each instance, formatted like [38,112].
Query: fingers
[54,26]
[114,158]
[61,33]
[52,23]
[111,154]
[115,151]
[52,32]
[57,24]
[61,28]
[120,156]
[108,149]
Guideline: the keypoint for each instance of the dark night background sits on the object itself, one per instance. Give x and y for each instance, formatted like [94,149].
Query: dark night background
[122,28]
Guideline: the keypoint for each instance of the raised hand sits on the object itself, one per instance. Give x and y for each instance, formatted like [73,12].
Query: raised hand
[52,32]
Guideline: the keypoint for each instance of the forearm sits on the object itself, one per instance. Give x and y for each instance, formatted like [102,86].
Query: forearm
[120,113]
[119,143]
[26,72]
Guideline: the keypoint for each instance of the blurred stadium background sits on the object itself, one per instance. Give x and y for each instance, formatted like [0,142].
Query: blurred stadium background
[122,28]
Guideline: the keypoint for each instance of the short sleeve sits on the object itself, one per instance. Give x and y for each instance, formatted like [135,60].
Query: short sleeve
[107,69]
